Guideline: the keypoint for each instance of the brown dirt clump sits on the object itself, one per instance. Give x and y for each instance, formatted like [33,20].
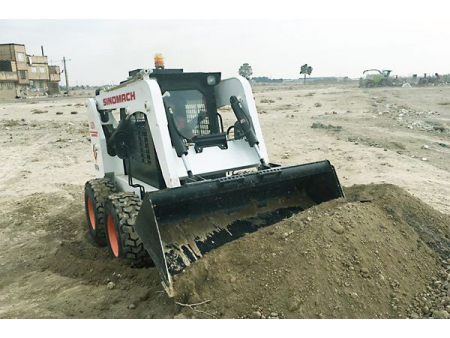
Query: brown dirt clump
[372,255]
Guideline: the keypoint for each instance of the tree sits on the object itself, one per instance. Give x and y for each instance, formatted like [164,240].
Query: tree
[305,70]
[246,71]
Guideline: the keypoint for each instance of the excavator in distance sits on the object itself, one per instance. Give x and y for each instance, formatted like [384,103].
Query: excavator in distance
[175,180]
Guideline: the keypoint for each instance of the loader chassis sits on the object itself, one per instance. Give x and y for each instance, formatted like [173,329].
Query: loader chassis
[184,181]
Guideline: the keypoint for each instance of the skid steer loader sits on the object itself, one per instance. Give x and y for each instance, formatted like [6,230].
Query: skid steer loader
[182,168]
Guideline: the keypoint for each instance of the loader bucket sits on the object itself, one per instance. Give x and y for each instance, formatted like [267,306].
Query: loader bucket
[179,225]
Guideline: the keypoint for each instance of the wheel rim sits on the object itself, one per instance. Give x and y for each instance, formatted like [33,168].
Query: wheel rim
[112,235]
[91,214]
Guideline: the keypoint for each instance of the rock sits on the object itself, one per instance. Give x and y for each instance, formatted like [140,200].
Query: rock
[256,315]
[180,316]
[316,125]
[414,315]
[446,301]
[273,314]
[424,159]
[145,296]
[317,104]
[59,113]
[441,314]
[354,295]
[292,304]
[38,111]
[364,272]
[132,306]
[337,228]
[233,279]
[285,156]
[111,285]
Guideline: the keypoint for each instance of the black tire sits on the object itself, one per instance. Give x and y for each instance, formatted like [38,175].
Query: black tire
[95,193]
[121,210]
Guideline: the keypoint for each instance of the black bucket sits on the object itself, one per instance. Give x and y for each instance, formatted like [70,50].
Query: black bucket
[179,225]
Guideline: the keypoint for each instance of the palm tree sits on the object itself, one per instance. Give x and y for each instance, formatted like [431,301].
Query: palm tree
[305,70]
[246,71]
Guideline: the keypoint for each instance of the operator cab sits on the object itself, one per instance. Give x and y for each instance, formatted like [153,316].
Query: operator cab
[189,112]
[190,99]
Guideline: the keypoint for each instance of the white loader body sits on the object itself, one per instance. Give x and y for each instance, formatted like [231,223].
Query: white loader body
[144,95]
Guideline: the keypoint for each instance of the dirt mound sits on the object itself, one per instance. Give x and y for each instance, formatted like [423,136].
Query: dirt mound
[377,254]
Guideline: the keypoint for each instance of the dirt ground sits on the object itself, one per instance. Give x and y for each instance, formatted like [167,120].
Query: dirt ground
[383,252]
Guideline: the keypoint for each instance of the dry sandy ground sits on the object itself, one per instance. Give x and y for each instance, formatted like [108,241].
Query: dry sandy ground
[50,268]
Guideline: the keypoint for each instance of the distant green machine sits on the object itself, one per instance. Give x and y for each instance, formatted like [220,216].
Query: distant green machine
[375,78]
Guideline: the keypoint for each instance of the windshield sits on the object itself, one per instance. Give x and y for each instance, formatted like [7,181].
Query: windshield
[189,112]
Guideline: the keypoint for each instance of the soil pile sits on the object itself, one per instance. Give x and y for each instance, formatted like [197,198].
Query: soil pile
[380,253]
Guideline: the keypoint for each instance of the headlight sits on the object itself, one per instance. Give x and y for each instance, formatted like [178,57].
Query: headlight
[211,79]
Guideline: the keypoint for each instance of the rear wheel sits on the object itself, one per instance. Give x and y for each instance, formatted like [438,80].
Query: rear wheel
[95,193]
[123,242]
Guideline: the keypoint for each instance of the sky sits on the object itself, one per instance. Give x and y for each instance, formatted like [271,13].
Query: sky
[336,38]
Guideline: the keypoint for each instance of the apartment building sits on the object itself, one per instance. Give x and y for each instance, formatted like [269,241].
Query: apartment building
[23,75]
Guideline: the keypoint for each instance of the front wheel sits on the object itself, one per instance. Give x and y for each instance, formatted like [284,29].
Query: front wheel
[95,193]
[121,210]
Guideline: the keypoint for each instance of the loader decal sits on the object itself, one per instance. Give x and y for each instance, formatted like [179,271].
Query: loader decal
[130,96]
[95,153]
[94,150]
[92,131]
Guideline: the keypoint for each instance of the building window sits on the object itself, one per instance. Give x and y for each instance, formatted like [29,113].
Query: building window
[33,69]
[9,85]
[1,85]
[5,66]
[21,57]
[31,84]
[41,70]
[23,75]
